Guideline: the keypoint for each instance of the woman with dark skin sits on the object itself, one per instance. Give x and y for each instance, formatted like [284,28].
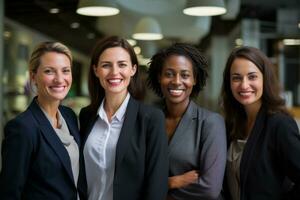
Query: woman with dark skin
[125,154]
[197,142]
[264,140]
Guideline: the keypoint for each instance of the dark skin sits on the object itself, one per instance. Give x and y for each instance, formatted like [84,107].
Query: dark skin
[177,81]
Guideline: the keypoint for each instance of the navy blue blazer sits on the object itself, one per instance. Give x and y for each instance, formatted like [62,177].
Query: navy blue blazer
[141,169]
[35,163]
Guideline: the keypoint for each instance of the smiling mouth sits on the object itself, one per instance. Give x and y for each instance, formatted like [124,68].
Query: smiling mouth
[175,92]
[246,94]
[57,88]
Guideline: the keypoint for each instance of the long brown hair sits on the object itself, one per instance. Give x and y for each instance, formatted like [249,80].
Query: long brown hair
[272,102]
[96,91]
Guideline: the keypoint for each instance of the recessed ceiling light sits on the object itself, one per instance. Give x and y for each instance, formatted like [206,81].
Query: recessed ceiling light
[290,42]
[132,42]
[90,36]
[75,25]
[54,10]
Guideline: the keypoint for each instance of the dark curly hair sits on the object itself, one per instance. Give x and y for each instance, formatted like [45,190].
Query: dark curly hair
[199,63]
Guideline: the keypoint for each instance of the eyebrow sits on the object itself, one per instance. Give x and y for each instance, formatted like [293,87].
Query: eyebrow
[250,73]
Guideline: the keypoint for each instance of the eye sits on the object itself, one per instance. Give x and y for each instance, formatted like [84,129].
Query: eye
[169,74]
[252,77]
[185,75]
[105,65]
[236,78]
[122,65]
[66,70]
[49,71]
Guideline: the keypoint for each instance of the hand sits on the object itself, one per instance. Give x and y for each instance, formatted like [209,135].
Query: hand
[183,180]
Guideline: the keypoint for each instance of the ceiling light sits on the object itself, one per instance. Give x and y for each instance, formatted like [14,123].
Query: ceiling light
[299,25]
[147,29]
[204,7]
[91,36]
[289,42]
[97,7]
[75,25]
[137,50]
[54,10]
[239,42]
[132,42]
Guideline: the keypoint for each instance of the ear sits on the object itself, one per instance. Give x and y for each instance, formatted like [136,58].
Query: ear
[133,70]
[32,77]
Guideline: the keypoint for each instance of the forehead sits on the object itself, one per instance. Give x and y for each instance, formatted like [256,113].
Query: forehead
[178,62]
[243,66]
[54,58]
[114,53]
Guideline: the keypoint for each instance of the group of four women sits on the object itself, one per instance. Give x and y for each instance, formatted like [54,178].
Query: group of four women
[131,151]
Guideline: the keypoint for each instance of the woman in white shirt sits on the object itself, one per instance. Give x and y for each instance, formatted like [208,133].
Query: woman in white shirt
[125,154]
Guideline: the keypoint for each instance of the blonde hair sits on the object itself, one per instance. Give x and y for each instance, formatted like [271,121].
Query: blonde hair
[44,47]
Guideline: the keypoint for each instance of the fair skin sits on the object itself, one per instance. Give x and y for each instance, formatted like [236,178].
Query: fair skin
[114,71]
[53,80]
[177,81]
[246,82]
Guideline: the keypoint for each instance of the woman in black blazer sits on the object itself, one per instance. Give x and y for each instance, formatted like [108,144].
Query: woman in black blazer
[40,156]
[264,139]
[124,141]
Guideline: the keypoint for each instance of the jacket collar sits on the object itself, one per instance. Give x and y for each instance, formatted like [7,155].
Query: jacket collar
[189,115]
[250,147]
[51,136]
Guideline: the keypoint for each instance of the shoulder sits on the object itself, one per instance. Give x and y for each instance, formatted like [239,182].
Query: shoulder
[281,121]
[85,112]
[23,125]
[149,111]
[209,116]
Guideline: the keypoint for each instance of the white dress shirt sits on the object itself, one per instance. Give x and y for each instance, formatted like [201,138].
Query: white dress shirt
[100,152]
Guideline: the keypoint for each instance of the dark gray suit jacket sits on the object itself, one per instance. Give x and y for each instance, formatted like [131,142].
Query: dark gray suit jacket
[141,169]
[199,143]
[35,163]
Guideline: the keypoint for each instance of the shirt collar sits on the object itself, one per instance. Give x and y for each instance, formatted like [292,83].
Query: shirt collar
[120,114]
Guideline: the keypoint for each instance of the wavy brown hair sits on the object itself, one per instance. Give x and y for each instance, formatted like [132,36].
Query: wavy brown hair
[272,102]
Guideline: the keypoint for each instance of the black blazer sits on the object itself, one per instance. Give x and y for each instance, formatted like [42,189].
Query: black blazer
[35,163]
[141,169]
[271,154]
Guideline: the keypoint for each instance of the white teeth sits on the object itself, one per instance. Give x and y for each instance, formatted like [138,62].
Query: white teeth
[176,92]
[245,93]
[114,80]
[57,88]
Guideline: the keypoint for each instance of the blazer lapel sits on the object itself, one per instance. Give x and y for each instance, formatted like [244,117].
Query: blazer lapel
[184,124]
[250,147]
[126,131]
[71,126]
[52,138]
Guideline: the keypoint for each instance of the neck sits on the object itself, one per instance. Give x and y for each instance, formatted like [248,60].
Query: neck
[50,107]
[112,104]
[176,110]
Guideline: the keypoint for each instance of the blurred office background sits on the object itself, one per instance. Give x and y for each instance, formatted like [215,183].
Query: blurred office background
[271,25]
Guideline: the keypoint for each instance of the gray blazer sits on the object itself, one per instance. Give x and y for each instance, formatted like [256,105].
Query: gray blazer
[199,143]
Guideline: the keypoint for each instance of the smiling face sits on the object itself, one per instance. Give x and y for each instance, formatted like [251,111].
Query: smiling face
[177,80]
[114,71]
[246,82]
[53,77]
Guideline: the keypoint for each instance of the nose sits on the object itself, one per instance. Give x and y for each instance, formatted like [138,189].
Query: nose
[177,79]
[245,83]
[58,78]
[114,69]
